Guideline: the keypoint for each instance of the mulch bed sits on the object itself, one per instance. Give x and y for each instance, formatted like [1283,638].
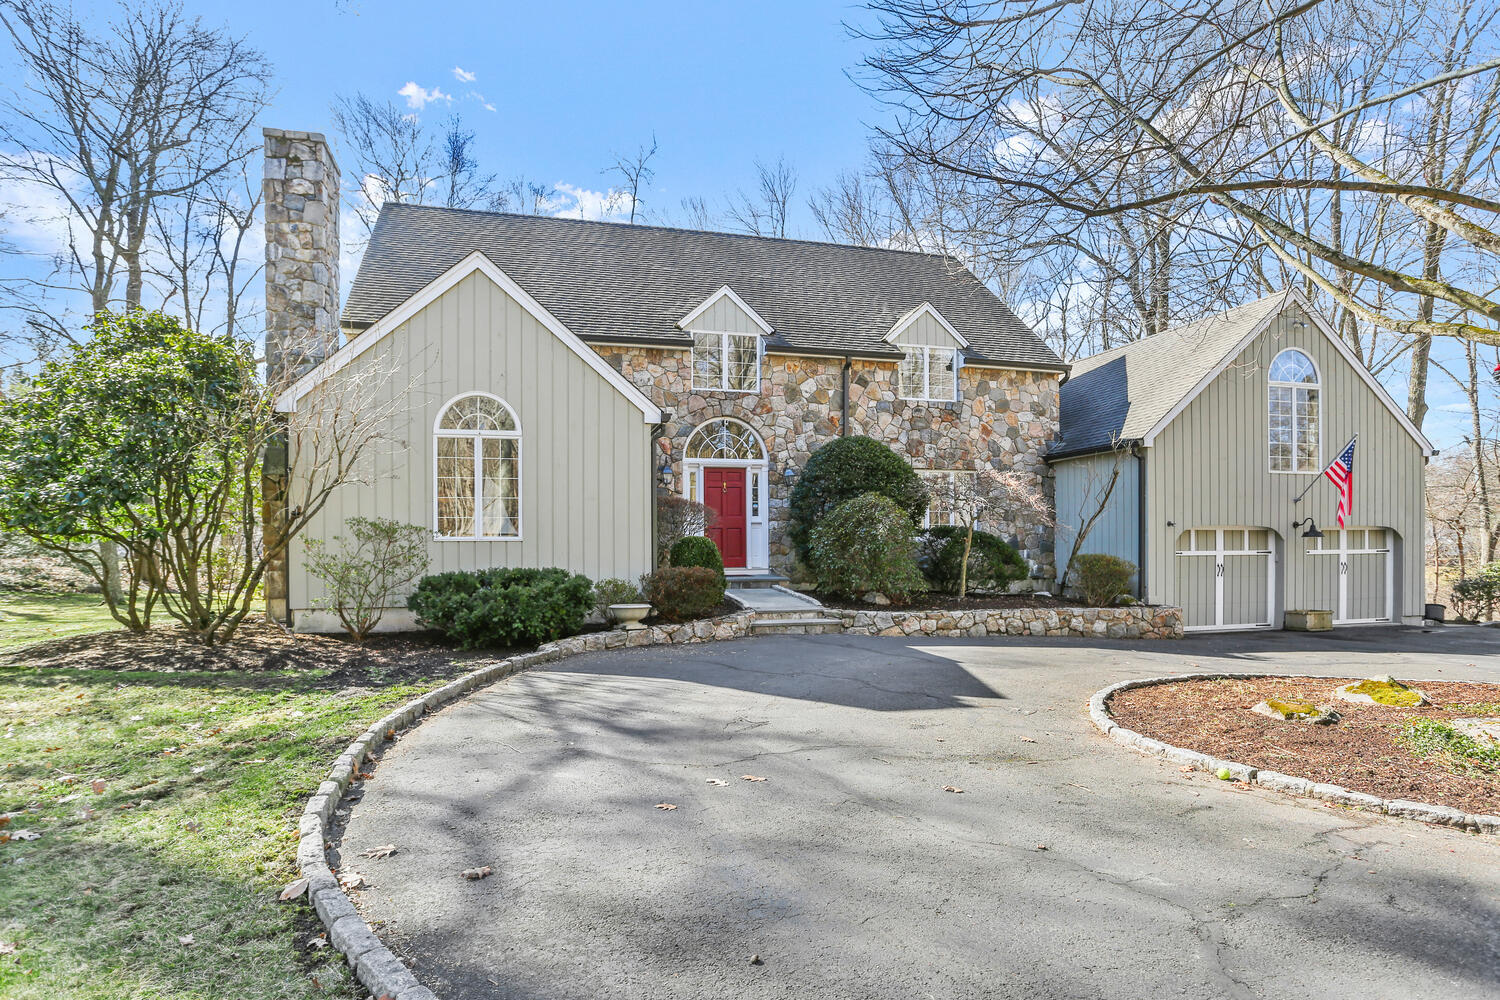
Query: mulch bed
[1361,752]
[327,662]
[946,602]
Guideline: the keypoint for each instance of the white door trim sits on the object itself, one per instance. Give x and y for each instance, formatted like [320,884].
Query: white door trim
[757,500]
[1343,552]
[1219,554]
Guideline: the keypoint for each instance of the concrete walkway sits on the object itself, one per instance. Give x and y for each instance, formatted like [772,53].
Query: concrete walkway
[1068,866]
[770,599]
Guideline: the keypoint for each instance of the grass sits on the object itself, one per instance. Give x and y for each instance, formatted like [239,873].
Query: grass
[26,617]
[163,884]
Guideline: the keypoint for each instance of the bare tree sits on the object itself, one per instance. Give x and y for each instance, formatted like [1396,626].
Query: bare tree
[392,153]
[1094,498]
[765,212]
[988,496]
[636,172]
[1196,129]
[699,215]
[461,182]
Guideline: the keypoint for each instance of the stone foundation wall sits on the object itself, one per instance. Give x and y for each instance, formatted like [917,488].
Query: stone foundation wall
[1004,420]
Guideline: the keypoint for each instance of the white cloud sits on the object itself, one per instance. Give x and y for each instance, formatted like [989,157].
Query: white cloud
[572,202]
[462,75]
[419,97]
[475,95]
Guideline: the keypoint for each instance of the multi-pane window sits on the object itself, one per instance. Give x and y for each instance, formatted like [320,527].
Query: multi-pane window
[478,470]
[728,362]
[927,373]
[1293,413]
[944,486]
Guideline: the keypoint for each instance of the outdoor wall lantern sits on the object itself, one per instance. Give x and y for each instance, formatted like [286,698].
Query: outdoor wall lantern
[1312,528]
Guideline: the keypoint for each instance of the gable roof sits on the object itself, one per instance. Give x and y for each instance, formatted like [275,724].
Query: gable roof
[725,293]
[1128,394]
[425,296]
[925,309]
[617,283]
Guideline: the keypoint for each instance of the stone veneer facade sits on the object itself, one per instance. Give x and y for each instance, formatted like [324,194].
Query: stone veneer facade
[1003,419]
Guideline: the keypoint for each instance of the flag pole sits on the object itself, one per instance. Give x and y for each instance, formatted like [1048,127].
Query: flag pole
[1325,469]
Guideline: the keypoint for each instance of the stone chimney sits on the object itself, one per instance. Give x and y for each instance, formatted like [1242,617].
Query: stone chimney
[301,204]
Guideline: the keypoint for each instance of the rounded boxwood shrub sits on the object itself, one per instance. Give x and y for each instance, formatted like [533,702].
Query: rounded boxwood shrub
[993,563]
[503,607]
[866,545]
[843,469]
[696,550]
[679,593]
[1102,579]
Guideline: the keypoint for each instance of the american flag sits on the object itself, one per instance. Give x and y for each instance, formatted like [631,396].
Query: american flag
[1341,473]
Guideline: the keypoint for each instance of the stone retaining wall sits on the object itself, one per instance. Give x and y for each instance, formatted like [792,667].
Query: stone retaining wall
[1134,622]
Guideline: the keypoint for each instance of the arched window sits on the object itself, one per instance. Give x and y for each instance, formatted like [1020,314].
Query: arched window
[725,440]
[1294,413]
[478,488]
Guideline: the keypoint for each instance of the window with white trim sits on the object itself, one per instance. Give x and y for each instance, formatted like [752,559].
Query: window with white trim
[478,479]
[942,486]
[726,362]
[927,373]
[1293,413]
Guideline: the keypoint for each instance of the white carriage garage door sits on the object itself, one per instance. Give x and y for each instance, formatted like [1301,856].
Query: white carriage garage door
[1224,578]
[1362,560]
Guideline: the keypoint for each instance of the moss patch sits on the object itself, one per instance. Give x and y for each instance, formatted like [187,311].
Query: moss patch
[1387,692]
[1291,709]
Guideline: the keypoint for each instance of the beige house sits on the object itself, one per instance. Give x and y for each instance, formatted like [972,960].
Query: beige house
[551,378]
[1210,442]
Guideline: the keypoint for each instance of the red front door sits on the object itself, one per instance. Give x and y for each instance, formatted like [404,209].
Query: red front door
[724,491]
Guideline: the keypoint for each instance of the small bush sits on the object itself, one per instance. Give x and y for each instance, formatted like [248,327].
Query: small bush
[1457,752]
[843,469]
[695,550]
[866,545]
[993,563]
[614,591]
[503,607]
[361,580]
[677,518]
[679,593]
[1475,598]
[1102,579]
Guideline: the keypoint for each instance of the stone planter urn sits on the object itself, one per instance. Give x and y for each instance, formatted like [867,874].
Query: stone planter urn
[1309,621]
[629,616]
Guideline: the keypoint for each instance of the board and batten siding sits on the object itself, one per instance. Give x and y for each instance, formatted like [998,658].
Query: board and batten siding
[926,331]
[1081,483]
[1210,467]
[586,480]
[725,316]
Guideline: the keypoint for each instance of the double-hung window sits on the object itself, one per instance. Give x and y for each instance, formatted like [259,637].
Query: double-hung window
[927,373]
[478,482]
[726,362]
[944,486]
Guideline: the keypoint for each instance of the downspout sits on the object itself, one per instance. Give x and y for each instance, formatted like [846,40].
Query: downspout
[657,430]
[1141,548]
[844,396]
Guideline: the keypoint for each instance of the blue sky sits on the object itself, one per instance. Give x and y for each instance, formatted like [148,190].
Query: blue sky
[719,85]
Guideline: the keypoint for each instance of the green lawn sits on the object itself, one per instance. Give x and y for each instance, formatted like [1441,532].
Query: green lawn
[27,617]
[163,884]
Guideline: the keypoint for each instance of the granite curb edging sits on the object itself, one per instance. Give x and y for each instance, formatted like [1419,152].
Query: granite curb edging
[1274,780]
[376,966]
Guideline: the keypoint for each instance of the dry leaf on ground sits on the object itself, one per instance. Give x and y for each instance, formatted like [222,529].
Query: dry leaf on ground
[384,851]
[97,785]
[483,871]
[321,941]
[351,880]
[954,789]
[185,939]
[750,777]
[1027,739]
[665,806]
[294,890]
[717,782]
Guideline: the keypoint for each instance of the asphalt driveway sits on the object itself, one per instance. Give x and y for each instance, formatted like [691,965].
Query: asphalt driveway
[1068,867]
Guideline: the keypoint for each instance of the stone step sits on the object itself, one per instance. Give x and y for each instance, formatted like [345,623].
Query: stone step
[796,626]
[804,612]
[757,581]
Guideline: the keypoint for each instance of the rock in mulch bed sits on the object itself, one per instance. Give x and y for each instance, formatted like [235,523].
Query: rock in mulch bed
[1389,751]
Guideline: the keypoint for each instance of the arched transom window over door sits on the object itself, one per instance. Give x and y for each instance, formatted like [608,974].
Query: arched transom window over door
[725,440]
[478,475]
[1295,415]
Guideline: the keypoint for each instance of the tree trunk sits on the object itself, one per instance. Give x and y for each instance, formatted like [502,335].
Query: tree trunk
[963,569]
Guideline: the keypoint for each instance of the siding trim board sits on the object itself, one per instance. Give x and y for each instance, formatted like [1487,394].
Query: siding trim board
[726,292]
[926,309]
[474,262]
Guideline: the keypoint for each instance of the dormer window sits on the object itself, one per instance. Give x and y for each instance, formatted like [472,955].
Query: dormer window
[927,374]
[727,337]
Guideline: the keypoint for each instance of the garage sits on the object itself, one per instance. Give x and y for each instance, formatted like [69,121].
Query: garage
[1224,578]
[1356,567]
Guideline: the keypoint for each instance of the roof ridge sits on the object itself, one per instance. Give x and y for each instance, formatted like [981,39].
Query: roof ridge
[1222,314]
[671,229]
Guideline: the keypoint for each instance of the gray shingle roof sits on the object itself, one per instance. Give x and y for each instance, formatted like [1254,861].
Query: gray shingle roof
[616,282]
[1121,394]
